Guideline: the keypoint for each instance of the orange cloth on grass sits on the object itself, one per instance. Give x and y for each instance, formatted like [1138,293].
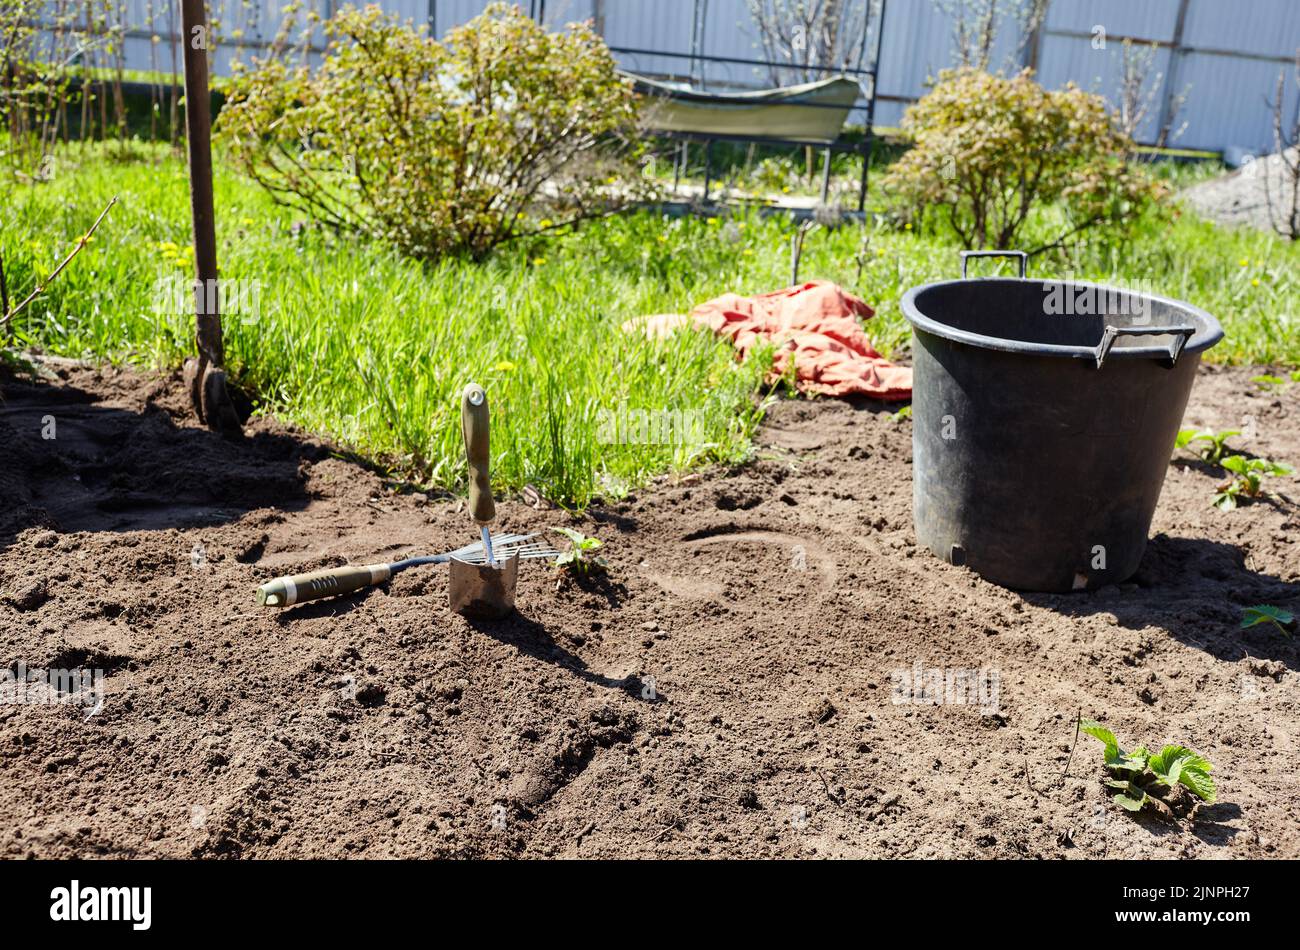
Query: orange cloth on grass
[816,321]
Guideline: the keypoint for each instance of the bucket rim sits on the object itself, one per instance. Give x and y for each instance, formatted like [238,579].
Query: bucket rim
[1208,331]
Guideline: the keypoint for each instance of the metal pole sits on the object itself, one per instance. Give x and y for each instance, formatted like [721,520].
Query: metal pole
[708,167]
[826,176]
[433,19]
[871,109]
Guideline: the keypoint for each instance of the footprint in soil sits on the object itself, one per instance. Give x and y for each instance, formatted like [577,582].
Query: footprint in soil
[571,753]
[806,560]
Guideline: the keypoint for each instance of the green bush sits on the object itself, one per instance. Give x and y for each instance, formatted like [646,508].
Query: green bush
[438,147]
[988,150]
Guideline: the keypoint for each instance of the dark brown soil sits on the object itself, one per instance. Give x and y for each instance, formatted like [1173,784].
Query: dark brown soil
[727,690]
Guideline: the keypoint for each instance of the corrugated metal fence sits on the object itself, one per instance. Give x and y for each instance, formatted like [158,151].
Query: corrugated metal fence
[1224,54]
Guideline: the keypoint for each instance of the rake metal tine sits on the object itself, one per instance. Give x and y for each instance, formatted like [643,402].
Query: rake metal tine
[508,549]
[505,539]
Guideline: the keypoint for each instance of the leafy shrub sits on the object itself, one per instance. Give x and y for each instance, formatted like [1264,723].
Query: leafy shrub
[988,150]
[437,147]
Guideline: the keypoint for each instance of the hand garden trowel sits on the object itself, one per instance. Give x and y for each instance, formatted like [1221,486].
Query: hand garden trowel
[485,590]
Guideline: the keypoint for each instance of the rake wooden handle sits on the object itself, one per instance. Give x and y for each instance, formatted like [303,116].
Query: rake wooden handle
[287,591]
[474,424]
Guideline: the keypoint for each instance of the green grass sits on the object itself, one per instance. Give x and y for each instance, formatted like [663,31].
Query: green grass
[357,343]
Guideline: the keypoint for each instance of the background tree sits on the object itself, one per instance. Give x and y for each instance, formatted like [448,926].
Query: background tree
[1283,194]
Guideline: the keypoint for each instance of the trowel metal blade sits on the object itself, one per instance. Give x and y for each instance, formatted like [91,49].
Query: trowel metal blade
[476,590]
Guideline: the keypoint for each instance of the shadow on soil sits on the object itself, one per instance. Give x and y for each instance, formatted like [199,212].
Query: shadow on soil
[1196,589]
[71,463]
[533,639]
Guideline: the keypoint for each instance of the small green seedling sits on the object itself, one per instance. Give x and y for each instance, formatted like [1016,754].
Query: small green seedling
[1267,613]
[904,413]
[1247,480]
[1137,778]
[1270,383]
[578,561]
[1211,453]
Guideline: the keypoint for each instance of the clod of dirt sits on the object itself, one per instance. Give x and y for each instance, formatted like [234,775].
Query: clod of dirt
[749,799]
[823,711]
[371,695]
[253,552]
[27,595]
[738,502]
[1273,669]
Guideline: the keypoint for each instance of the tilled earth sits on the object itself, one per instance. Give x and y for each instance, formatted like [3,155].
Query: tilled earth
[728,689]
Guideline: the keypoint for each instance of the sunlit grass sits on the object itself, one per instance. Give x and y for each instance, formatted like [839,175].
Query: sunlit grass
[355,342]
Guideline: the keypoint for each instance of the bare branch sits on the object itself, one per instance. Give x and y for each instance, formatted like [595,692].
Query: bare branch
[40,287]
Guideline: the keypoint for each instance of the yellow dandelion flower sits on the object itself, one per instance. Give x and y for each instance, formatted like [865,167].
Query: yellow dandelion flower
[504,366]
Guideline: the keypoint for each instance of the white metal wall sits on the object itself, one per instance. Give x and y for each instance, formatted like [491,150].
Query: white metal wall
[1227,57]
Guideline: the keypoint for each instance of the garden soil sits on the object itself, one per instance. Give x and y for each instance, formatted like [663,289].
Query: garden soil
[732,687]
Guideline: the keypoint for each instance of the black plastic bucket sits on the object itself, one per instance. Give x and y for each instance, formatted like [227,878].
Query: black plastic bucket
[1044,415]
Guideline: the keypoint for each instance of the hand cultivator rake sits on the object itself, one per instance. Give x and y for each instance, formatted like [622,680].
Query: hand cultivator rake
[483,574]
[330,582]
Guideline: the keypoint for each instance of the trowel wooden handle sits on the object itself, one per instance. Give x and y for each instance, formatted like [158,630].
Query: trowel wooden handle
[474,426]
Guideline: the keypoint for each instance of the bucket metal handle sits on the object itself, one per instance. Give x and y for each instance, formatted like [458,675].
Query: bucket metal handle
[1181,333]
[967,255]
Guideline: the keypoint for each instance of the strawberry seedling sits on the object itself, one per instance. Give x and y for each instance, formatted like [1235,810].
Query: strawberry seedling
[1267,613]
[578,562]
[1155,780]
[1247,480]
[1211,453]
